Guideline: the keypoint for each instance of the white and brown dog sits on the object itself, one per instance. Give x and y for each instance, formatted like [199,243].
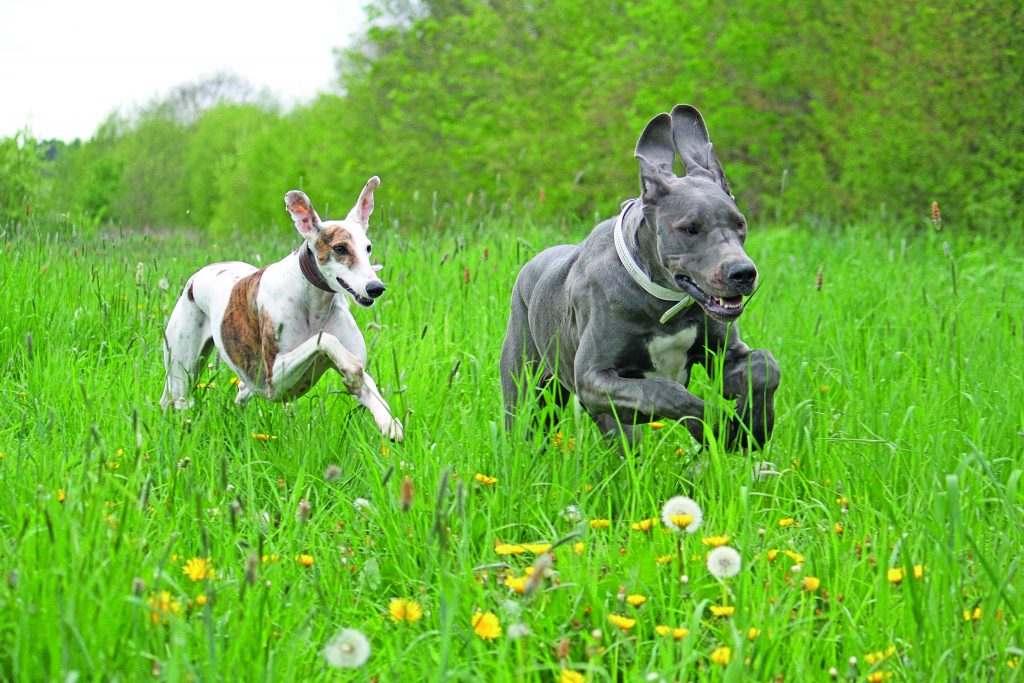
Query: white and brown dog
[281,327]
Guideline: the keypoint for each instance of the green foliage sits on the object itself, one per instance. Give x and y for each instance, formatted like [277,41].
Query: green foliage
[837,110]
[20,178]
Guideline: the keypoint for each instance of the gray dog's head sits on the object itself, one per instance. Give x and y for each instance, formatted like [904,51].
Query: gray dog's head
[700,231]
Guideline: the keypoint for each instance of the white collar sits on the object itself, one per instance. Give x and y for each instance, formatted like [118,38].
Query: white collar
[639,276]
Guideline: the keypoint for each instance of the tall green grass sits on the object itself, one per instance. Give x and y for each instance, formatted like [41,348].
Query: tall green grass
[902,393]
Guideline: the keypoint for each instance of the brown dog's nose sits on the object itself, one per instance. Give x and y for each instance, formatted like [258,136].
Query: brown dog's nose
[742,274]
[375,289]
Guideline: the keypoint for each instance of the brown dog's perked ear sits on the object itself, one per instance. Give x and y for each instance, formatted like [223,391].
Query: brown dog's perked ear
[360,213]
[654,152]
[307,222]
[692,142]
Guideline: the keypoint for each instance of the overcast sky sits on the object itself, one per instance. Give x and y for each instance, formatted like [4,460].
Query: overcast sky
[66,64]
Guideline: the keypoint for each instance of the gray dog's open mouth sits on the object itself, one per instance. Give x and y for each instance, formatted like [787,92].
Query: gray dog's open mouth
[361,300]
[725,309]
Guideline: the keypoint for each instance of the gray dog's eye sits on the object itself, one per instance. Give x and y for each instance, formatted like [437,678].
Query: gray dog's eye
[692,230]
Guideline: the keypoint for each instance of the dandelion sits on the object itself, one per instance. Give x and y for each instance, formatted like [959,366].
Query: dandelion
[795,556]
[715,541]
[636,599]
[486,625]
[842,501]
[571,514]
[349,649]
[163,606]
[622,622]
[516,583]
[579,547]
[878,676]
[362,505]
[537,548]
[509,549]
[724,562]
[600,523]
[838,528]
[61,495]
[197,569]
[517,631]
[772,554]
[975,615]
[305,559]
[645,524]
[753,633]
[484,479]
[570,676]
[200,599]
[722,610]
[403,609]
[676,633]
[895,574]
[721,655]
[205,385]
[664,559]
[787,521]
[681,514]
[264,437]
[656,425]
[918,571]
[810,583]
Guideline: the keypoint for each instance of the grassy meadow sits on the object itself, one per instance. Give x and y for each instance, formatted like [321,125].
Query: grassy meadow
[885,542]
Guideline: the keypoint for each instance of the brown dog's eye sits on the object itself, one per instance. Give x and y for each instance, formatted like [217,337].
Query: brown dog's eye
[341,250]
[368,248]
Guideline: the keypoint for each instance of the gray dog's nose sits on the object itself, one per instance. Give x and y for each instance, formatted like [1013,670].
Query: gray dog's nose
[742,274]
[375,289]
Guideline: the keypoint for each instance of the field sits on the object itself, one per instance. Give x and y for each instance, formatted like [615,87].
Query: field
[885,543]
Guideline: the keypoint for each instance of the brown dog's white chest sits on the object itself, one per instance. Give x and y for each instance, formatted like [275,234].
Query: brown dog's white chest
[668,354]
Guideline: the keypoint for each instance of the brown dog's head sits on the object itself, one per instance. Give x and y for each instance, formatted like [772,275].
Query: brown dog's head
[700,231]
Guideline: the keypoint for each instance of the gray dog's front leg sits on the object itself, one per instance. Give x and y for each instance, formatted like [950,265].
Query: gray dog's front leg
[608,396]
[751,377]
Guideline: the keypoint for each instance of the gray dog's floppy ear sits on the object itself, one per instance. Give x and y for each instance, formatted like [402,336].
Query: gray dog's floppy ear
[307,222]
[360,213]
[691,139]
[654,152]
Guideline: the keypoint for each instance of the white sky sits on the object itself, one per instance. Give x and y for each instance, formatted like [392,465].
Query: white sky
[66,64]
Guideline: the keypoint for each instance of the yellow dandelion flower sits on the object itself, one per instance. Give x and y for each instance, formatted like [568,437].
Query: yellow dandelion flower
[772,554]
[838,528]
[795,556]
[656,425]
[723,610]
[895,574]
[878,676]
[842,501]
[305,559]
[403,609]
[205,385]
[676,633]
[636,599]
[537,548]
[788,521]
[621,621]
[484,479]
[273,557]
[570,676]
[721,655]
[486,625]
[579,547]
[810,583]
[681,521]
[200,599]
[235,381]
[517,583]
[162,606]
[918,571]
[600,523]
[753,633]
[113,464]
[264,437]
[975,615]
[509,549]
[664,559]
[645,524]
[198,568]
[60,495]
[715,541]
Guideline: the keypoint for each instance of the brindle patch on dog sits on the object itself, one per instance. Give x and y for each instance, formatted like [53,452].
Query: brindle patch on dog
[331,237]
[249,337]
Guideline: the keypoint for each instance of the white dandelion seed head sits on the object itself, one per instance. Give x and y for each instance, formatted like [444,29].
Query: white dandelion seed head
[681,505]
[724,562]
[362,505]
[349,649]
[516,631]
[571,514]
[511,609]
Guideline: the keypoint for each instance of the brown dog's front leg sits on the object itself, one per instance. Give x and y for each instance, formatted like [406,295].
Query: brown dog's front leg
[751,377]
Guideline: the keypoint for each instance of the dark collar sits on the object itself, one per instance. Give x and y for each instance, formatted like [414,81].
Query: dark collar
[310,271]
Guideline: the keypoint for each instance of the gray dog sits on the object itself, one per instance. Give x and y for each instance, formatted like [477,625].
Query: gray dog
[620,319]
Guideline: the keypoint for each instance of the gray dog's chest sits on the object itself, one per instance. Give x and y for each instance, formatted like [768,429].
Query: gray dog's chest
[668,354]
